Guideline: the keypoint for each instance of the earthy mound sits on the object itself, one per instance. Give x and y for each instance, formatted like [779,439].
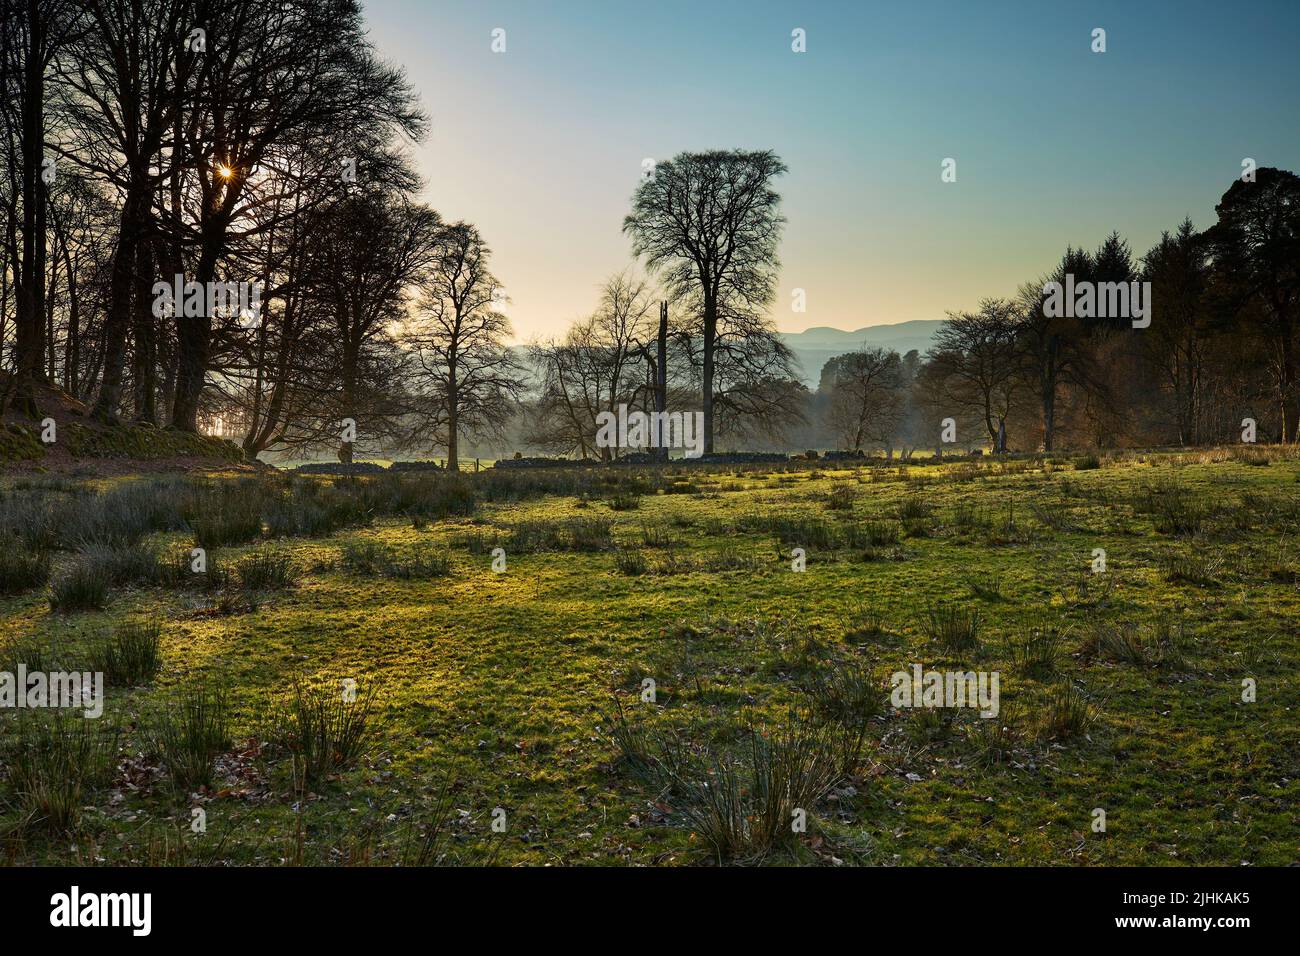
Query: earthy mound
[80,444]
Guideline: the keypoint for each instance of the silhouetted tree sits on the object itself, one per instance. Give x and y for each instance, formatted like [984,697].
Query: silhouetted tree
[276,76]
[866,396]
[1176,343]
[1256,246]
[31,34]
[1053,347]
[709,223]
[366,256]
[975,361]
[468,378]
[603,361]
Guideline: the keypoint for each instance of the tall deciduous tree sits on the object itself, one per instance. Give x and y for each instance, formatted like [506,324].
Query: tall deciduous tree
[469,379]
[709,223]
[276,75]
[976,363]
[367,254]
[866,396]
[123,81]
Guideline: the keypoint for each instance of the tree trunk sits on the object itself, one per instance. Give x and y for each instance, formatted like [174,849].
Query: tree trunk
[1290,400]
[51,295]
[661,381]
[117,321]
[1049,420]
[710,336]
[1049,397]
[29,321]
[453,451]
[349,374]
[72,345]
[193,341]
[453,407]
[144,367]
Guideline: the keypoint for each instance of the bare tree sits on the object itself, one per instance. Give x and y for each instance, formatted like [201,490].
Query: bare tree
[755,388]
[468,379]
[709,223]
[606,359]
[975,361]
[866,396]
[366,255]
[273,77]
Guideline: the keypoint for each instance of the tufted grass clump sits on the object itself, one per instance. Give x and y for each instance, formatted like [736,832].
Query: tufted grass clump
[1068,713]
[1037,652]
[741,805]
[266,570]
[325,728]
[952,627]
[22,569]
[82,587]
[131,655]
[191,732]
[53,761]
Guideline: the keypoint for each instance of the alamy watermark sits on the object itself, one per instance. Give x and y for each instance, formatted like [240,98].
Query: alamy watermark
[638,429]
[192,299]
[928,689]
[1098,300]
[65,690]
[133,911]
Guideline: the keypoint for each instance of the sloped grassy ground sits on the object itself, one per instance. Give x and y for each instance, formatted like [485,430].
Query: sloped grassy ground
[504,683]
[22,443]
[77,437]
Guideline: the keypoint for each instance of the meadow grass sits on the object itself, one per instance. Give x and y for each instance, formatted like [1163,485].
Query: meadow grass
[1124,688]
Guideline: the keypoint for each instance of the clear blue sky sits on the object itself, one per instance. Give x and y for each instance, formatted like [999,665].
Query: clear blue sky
[541,146]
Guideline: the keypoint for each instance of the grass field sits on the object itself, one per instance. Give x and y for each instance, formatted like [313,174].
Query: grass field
[499,715]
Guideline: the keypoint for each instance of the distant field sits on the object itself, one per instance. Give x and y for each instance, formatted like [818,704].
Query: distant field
[523,689]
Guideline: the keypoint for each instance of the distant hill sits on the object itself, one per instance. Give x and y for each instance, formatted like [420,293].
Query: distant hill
[814,347]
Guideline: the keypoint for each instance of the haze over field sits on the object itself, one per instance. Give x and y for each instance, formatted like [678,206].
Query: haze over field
[814,347]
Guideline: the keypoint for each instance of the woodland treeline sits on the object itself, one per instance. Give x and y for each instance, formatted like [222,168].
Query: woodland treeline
[266,144]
